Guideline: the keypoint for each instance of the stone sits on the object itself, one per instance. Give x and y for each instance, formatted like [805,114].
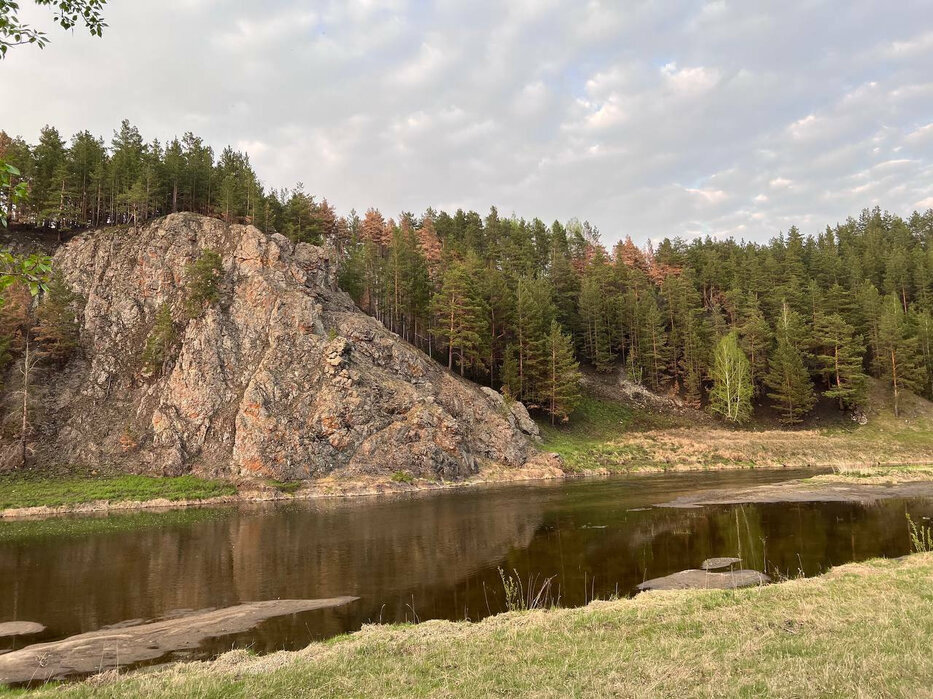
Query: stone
[20,628]
[284,377]
[703,579]
[130,643]
[719,563]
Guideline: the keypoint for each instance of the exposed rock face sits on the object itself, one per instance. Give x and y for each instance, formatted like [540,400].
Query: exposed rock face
[283,377]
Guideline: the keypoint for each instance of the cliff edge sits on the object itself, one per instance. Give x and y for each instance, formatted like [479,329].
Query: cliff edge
[281,377]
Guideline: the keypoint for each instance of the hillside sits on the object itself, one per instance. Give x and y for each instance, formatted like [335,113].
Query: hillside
[620,427]
[274,373]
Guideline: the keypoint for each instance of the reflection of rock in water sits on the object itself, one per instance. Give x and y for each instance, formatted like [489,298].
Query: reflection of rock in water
[377,549]
[129,644]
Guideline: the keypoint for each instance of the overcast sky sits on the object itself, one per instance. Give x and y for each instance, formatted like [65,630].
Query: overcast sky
[648,118]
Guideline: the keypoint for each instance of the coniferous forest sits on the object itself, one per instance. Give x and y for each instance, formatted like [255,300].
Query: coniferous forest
[517,304]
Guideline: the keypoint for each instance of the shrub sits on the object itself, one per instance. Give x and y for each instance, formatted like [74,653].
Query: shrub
[203,282]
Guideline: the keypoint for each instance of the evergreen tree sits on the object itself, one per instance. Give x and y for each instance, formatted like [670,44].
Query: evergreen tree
[57,330]
[532,320]
[755,340]
[160,342]
[559,387]
[898,349]
[203,278]
[839,357]
[788,378]
[460,318]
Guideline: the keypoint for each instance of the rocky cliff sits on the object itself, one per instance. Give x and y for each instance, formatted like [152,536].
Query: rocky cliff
[281,377]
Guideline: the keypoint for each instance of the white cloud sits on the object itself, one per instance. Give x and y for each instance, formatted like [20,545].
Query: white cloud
[646,118]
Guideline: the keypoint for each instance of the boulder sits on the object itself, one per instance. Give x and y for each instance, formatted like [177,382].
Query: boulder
[283,377]
[719,563]
[703,579]
[20,628]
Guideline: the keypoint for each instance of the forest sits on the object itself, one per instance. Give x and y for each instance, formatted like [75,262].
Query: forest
[518,304]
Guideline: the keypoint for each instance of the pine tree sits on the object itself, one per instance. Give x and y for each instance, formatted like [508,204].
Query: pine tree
[755,340]
[898,349]
[839,357]
[559,387]
[788,378]
[460,318]
[731,395]
[203,278]
[532,319]
[57,331]
[598,314]
[653,351]
[160,342]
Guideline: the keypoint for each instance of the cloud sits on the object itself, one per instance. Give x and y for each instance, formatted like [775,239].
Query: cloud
[649,119]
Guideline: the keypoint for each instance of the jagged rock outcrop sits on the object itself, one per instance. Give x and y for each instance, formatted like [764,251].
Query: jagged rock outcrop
[282,377]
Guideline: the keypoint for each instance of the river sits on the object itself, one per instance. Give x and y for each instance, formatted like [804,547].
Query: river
[419,557]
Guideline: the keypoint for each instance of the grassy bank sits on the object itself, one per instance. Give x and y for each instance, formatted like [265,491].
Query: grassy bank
[39,490]
[876,475]
[613,435]
[860,630]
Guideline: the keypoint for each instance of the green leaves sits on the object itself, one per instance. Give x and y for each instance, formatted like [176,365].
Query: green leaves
[33,271]
[67,14]
[20,190]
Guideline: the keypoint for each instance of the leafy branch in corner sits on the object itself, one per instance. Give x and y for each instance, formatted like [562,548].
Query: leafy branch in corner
[67,14]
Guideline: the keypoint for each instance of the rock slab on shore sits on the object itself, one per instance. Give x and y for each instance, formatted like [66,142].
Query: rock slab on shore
[703,579]
[117,646]
[9,629]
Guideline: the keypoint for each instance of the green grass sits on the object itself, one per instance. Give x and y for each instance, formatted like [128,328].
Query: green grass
[290,487]
[32,490]
[402,477]
[86,525]
[861,630]
[585,441]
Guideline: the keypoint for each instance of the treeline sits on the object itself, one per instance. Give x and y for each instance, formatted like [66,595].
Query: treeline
[86,182]
[809,315]
[517,303]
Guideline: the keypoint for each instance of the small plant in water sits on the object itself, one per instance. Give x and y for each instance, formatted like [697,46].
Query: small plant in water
[921,537]
[516,598]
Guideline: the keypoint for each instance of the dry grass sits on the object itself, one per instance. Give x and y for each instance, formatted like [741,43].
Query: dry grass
[861,630]
[609,434]
[877,475]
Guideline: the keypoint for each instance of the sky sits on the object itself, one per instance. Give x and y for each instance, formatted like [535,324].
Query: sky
[649,119]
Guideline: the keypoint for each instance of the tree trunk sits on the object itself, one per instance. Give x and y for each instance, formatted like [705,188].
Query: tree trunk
[894,380]
[24,426]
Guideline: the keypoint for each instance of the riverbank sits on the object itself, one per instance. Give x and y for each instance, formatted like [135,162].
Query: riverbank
[612,434]
[35,496]
[862,629]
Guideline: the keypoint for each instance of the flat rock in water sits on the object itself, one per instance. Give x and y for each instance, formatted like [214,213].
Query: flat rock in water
[20,628]
[104,649]
[719,563]
[703,579]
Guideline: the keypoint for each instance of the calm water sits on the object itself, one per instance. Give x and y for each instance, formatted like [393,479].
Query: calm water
[420,557]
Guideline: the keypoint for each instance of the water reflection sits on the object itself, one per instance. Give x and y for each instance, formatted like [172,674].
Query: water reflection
[434,556]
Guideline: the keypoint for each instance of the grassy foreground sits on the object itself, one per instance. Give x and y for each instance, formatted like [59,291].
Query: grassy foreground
[861,630]
[31,490]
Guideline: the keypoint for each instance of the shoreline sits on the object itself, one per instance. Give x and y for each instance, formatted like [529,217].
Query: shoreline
[333,487]
[678,642]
